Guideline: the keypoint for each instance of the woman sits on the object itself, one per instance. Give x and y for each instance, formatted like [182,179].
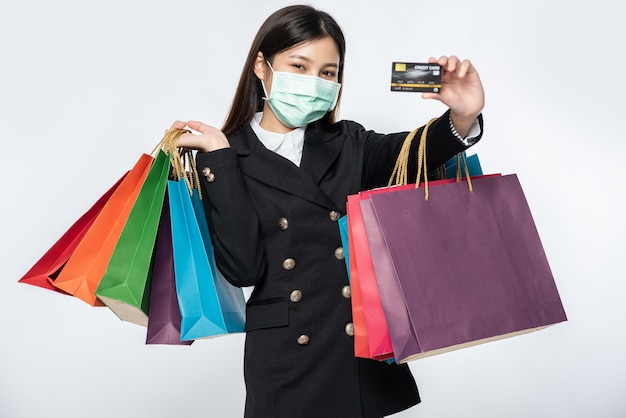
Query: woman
[276,177]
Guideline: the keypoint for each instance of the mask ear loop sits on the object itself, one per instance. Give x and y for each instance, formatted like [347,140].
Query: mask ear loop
[267,96]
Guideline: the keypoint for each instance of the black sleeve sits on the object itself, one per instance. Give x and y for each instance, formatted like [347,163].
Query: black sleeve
[232,218]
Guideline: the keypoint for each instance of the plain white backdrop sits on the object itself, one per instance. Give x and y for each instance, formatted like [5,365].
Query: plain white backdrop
[85,87]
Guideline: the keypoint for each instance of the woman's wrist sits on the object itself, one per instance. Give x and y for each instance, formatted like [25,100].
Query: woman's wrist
[461,124]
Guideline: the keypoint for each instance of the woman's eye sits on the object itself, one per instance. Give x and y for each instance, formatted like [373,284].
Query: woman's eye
[299,66]
[328,73]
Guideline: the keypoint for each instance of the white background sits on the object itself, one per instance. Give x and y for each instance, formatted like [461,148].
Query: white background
[85,87]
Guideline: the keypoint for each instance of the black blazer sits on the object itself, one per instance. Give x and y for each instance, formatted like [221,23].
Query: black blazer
[274,227]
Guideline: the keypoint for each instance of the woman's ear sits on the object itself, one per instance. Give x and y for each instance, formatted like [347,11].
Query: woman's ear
[260,66]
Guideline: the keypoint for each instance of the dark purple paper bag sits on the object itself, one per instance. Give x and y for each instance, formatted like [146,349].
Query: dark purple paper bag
[471,266]
[164,314]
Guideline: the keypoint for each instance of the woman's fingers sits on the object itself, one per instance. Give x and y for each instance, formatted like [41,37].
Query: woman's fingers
[199,126]
[177,124]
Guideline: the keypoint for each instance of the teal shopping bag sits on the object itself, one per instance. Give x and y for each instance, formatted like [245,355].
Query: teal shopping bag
[473,166]
[232,300]
[203,308]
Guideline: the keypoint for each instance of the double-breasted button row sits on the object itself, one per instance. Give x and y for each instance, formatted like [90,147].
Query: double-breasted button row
[210,177]
[289,264]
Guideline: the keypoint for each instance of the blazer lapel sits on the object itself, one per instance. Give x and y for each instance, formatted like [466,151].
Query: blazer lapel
[321,149]
[269,168]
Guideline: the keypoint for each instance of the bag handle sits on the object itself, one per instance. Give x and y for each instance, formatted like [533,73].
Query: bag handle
[400,170]
[182,162]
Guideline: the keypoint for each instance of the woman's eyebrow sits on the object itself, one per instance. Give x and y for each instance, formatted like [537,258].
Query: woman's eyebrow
[302,57]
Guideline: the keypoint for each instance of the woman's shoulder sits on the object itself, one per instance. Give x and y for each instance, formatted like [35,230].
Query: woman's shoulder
[342,128]
[356,130]
[347,125]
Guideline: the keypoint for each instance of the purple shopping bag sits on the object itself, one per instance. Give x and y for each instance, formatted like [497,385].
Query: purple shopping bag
[164,315]
[403,338]
[471,266]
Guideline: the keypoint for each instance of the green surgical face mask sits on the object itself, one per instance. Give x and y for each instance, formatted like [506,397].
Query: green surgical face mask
[298,100]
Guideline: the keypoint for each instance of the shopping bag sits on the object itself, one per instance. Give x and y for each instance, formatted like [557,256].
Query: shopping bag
[164,319]
[84,269]
[469,262]
[455,167]
[402,336]
[231,298]
[361,344]
[377,332]
[200,307]
[377,327]
[48,267]
[343,231]
[125,286]
[400,330]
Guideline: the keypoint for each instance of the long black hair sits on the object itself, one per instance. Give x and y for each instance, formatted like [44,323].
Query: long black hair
[282,30]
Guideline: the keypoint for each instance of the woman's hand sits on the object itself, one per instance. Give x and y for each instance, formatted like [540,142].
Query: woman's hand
[462,91]
[208,139]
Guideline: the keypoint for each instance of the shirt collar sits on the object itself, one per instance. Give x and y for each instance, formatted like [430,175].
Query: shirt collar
[288,145]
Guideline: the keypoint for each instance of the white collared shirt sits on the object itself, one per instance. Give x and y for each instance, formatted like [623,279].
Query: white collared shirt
[288,145]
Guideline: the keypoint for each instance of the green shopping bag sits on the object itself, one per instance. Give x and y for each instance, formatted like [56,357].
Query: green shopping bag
[125,287]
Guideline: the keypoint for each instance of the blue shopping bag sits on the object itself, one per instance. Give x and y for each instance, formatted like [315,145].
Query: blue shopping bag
[205,310]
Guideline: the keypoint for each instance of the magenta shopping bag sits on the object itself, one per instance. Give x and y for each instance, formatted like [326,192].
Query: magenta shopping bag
[471,266]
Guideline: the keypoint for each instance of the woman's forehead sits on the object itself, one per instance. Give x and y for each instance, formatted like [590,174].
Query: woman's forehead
[319,50]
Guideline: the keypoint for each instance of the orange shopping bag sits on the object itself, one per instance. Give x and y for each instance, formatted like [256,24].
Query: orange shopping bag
[84,269]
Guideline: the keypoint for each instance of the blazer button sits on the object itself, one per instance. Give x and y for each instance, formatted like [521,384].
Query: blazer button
[350,329]
[303,339]
[346,292]
[339,254]
[210,177]
[283,224]
[334,215]
[295,296]
[289,264]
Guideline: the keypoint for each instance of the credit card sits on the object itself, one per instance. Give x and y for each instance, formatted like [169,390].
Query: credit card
[416,77]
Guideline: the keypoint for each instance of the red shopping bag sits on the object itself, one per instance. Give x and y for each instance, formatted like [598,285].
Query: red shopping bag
[376,330]
[361,344]
[47,268]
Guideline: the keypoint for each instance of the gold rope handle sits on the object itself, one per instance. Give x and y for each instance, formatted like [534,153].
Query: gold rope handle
[421,159]
[400,170]
[182,162]
[467,175]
